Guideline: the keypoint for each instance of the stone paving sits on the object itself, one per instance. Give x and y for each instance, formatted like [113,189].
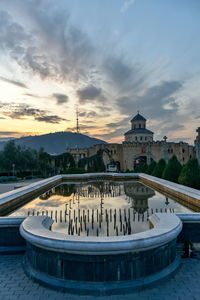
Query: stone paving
[10,186]
[14,284]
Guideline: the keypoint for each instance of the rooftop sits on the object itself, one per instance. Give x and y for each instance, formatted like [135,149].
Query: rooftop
[139,130]
[138,117]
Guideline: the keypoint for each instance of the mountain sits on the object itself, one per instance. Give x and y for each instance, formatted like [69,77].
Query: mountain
[57,142]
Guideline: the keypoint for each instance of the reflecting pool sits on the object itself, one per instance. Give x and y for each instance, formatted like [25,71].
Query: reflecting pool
[100,208]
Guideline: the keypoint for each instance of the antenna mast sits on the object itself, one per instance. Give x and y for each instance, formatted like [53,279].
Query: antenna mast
[77,120]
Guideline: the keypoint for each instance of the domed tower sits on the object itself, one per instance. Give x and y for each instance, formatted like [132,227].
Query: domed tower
[139,132]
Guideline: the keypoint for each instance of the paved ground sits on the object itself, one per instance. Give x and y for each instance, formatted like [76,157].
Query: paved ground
[6,187]
[14,284]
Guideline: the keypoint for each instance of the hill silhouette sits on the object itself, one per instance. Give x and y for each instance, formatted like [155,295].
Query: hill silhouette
[57,142]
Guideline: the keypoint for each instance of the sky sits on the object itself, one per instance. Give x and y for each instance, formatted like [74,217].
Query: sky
[106,58]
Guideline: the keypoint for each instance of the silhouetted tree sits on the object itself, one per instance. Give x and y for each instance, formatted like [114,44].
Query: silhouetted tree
[172,170]
[159,168]
[151,167]
[190,174]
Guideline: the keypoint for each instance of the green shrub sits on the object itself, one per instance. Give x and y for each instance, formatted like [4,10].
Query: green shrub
[159,168]
[3,178]
[151,167]
[190,174]
[172,170]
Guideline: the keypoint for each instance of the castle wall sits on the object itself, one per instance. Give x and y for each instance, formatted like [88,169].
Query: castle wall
[127,153]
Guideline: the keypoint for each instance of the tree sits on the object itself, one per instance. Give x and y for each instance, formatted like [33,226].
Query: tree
[172,170]
[159,168]
[93,163]
[144,168]
[190,174]
[151,167]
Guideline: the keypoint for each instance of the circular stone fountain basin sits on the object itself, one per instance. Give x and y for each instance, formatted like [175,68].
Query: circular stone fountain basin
[100,265]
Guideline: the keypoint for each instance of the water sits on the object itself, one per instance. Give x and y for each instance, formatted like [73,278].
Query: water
[100,208]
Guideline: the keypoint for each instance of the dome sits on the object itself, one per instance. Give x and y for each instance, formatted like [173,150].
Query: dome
[138,117]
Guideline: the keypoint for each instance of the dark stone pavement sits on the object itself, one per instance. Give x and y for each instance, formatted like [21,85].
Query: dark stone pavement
[183,285]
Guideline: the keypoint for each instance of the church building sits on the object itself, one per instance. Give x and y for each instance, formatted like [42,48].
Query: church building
[139,147]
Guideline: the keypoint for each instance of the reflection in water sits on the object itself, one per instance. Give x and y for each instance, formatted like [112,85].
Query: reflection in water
[138,195]
[100,208]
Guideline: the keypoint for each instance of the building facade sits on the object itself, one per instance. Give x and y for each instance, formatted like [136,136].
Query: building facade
[197,144]
[139,147]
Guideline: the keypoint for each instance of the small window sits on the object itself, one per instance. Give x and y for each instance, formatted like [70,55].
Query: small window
[145,138]
[183,158]
[136,138]
[183,150]
[134,126]
[139,125]
[141,138]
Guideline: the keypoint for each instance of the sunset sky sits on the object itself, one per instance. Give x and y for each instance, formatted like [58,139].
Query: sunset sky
[108,57]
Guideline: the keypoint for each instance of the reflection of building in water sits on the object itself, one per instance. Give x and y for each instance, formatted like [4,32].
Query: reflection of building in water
[93,189]
[138,195]
[62,190]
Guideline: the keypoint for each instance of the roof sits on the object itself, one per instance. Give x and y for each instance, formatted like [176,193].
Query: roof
[139,130]
[138,117]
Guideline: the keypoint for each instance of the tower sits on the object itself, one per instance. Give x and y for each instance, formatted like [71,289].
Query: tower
[77,120]
[138,133]
[138,122]
[197,145]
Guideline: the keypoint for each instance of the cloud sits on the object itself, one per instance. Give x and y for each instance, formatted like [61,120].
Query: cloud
[117,69]
[123,123]
[88,114]
[14,82]
[50,47]
[22,111]
[60,98]
[90,94]
[50,119]
[82,127]
[173,127]
[32,95]
[8,133]
[123,76]
[126,5]
[156,102]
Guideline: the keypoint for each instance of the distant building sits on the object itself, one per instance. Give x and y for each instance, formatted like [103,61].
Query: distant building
[197,145]
[139,147]
[139,132]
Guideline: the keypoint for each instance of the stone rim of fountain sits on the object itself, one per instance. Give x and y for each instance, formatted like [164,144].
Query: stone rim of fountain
[36,230]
